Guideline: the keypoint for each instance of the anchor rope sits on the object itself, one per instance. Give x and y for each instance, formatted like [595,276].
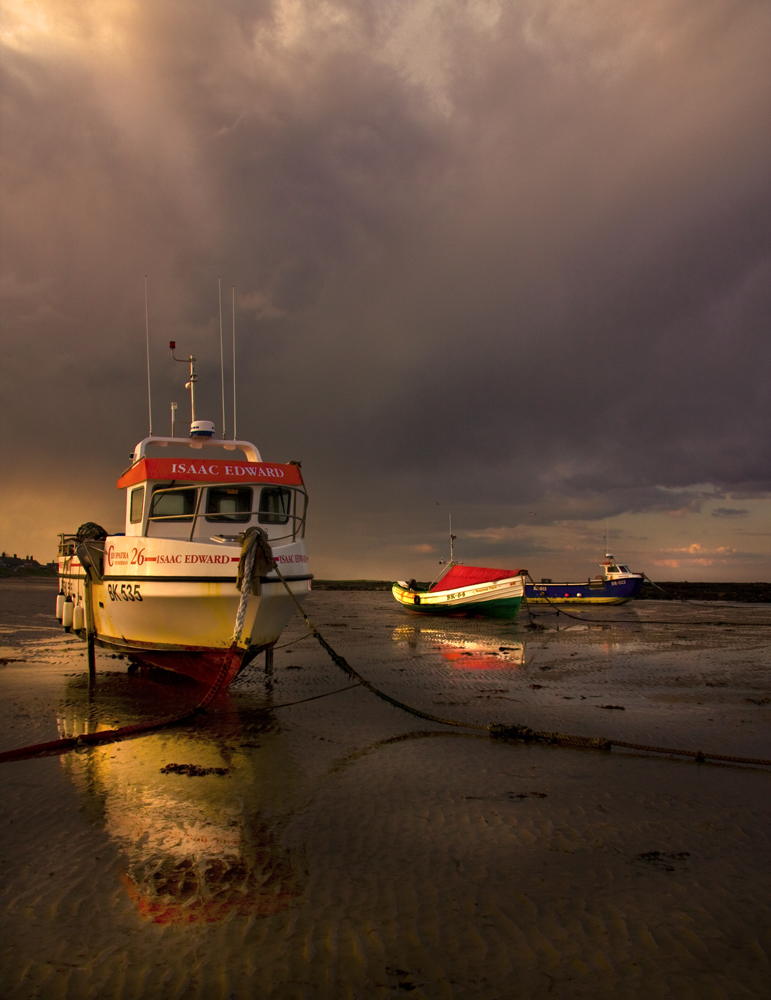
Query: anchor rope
[512,733]
[501,731]
[67,743]
[293,641]
[246,586]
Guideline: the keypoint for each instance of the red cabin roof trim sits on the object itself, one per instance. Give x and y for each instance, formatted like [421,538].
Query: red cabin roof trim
[199,470]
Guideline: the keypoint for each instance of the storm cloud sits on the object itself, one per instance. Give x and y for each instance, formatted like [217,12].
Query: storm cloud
[506,260]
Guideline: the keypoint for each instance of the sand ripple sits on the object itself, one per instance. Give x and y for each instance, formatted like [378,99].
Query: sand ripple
[339,849]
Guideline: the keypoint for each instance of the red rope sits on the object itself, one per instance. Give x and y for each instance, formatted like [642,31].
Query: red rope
[68,743]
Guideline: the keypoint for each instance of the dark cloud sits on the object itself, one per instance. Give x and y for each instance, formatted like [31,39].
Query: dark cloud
[498,255]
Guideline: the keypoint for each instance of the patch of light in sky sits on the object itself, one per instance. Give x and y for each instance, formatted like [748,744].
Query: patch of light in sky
[55,25]
[585,36]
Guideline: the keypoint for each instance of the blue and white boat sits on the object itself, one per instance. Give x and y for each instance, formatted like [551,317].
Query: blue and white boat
[615,585]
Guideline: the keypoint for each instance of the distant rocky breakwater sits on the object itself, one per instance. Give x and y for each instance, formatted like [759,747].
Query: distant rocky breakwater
[751,593]
[748,593]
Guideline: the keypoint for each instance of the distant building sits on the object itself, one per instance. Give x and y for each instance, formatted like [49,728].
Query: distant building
[10,564]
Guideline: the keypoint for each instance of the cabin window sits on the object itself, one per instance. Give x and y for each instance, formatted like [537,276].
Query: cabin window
[624,569]
[229,504]
[613,569]
[137,504]
[173,505]
[275,504]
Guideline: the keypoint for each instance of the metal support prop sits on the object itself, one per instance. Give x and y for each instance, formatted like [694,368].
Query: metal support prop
[90,629]
[269,660]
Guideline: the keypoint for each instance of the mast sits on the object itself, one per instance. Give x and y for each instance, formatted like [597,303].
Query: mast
[193,377]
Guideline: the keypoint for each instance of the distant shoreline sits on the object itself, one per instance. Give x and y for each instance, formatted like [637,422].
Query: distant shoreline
[746,593]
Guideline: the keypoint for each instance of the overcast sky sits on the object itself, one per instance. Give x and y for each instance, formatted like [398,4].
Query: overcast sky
[505,260]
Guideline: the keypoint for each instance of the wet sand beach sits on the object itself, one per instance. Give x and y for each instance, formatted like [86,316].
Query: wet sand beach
[340,848]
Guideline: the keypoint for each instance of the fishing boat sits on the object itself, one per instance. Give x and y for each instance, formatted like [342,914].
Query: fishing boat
[465,591]
[166,591]
[615,585]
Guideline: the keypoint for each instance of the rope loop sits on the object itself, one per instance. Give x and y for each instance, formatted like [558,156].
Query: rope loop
[246,586]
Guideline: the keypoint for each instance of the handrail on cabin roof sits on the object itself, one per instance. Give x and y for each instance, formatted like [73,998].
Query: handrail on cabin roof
[249,450]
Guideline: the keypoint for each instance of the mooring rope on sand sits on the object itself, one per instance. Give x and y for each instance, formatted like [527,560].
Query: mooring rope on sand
[497,730]
[67,743]
[505,731]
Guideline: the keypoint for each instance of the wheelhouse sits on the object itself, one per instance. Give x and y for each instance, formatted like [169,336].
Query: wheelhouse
[612,570]
[202,513]
[213,500]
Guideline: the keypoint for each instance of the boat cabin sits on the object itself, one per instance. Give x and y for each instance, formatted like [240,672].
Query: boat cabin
[210,499]
[613,570]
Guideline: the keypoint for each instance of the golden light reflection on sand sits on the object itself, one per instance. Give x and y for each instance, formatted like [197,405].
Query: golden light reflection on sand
[186,814]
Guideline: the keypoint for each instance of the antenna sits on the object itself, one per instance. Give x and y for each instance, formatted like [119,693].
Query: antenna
[222,359]
[147,342]
[452,539]
[173,414]
[234,362]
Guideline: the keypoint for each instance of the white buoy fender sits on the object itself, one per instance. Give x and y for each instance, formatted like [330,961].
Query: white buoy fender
[59,606]
[67,611]
[78,619]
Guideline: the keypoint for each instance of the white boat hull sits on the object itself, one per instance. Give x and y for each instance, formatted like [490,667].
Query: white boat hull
[496,598]
[172,602]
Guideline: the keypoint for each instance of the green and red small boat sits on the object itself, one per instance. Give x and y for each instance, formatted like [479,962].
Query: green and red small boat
[466,591]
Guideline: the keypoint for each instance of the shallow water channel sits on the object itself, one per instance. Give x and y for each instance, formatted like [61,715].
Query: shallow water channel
[341,848]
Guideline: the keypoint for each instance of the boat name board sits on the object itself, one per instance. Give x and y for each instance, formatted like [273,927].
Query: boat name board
[198,471]
[138,557]
[124,592]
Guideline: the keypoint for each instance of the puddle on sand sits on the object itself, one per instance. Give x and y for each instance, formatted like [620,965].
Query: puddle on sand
[339,848]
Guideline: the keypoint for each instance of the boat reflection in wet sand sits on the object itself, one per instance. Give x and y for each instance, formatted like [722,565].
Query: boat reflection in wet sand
[615,585]
[465,653]
[194,817]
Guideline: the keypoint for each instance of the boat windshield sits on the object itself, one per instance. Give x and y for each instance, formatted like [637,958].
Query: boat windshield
[279,505]
[613,569]
[228,503]
[624,569]
[275,503]
[173,505]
